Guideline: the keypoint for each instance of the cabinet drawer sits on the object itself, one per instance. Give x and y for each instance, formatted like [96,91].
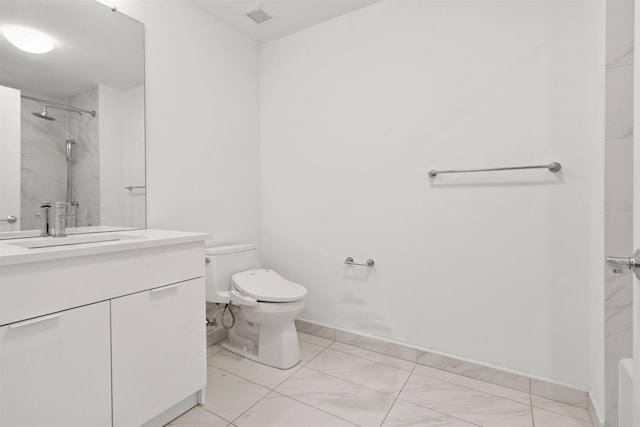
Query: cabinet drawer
[55,370]
[158,350]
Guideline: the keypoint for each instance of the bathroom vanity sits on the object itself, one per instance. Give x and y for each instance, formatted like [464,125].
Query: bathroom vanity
[102,329]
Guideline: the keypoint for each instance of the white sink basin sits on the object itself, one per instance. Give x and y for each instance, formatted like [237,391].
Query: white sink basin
[50,242]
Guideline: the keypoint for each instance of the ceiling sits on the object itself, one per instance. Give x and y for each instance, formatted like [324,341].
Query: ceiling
[291,15]
[93,46]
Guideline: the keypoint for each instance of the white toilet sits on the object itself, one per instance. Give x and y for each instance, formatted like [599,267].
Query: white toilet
[264,305]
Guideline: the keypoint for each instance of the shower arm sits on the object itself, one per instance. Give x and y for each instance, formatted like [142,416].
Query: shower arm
[59,106]
[71,109]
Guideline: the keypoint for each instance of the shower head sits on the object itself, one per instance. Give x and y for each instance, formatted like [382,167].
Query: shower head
[44,114]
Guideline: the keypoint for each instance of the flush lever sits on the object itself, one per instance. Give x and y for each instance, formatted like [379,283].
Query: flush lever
[621,265]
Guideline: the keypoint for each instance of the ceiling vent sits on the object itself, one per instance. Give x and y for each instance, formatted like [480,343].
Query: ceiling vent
[258,15]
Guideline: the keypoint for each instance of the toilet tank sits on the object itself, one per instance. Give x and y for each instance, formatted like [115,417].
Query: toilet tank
[222,263]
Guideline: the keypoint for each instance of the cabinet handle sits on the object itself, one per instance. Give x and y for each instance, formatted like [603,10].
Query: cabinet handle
[36,320]
[164,288]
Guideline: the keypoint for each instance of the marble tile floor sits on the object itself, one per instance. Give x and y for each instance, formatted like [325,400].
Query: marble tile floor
[336,384]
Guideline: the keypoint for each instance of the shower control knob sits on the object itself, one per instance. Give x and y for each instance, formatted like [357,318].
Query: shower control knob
[621,265]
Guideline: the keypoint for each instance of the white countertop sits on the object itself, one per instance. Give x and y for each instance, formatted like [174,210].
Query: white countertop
[11,254]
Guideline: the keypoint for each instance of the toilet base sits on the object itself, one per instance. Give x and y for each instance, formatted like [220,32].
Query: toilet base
[274,342]
[249,353]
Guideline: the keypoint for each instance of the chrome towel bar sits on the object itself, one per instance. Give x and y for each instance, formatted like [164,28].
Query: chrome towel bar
[553,167]
[132,187]
[10,219]
[350,261]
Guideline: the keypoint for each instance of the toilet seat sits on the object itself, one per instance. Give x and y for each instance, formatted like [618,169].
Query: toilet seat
[268,286]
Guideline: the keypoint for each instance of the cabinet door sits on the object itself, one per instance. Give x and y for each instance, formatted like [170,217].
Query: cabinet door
[55,370]
[158,350]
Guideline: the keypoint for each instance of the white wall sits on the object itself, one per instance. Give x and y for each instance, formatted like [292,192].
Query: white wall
[500,268]
[10,157]
[201,121]
[111,146]
[122,156]
[134,155]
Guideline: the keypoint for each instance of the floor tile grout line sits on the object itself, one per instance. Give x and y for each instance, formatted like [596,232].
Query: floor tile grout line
[211,412]
[313,407]
[243,378]
[475,389]
[440,412]
[262,385]
[351,382]
[507,398]
[411,373]
[461,375]
[254,404]
[451,372]
[533,418]
[397,397]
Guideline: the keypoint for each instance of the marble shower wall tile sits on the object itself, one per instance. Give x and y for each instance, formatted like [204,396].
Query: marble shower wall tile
[42,180]
[618,192]
[42,159]
[86,164]
[620,37]
[619,175]
[611,389]
[618,342]
[619,320]
[619,103]
[618,241]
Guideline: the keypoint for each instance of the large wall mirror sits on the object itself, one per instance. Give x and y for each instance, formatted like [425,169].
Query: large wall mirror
[72,123]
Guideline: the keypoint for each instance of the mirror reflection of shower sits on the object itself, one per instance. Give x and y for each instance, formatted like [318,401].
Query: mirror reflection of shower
[69,150]
[72,204]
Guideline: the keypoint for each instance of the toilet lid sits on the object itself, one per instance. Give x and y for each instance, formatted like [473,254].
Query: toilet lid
[267,285]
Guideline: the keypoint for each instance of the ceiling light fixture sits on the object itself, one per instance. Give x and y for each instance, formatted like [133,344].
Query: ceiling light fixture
[28,40]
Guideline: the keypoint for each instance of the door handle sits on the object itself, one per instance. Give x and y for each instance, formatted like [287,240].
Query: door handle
[36,320]
[620,265]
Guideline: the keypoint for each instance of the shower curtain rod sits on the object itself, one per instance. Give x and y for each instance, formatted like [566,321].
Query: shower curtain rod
[53,103]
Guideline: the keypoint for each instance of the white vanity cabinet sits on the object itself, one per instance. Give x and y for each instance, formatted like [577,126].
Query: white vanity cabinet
[55,370]
[158,338]
[102,334]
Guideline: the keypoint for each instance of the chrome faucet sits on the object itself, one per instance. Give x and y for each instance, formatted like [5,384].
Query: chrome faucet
[45,226]
[60,216]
